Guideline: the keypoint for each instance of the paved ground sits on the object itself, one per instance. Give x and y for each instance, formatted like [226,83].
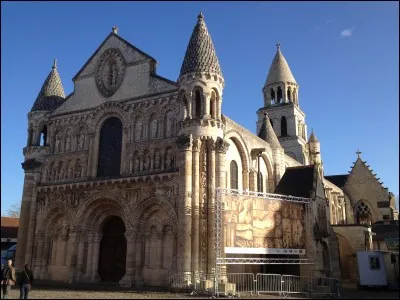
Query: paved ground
[43,292]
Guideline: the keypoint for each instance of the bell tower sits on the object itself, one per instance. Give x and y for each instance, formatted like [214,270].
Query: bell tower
[281,103]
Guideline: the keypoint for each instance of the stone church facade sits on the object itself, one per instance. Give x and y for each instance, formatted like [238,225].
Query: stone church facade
[120,175]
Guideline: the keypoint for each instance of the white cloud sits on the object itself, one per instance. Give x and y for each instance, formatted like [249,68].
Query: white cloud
[347,32]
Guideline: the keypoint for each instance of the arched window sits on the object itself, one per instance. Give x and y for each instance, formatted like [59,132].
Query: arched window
[363,214]
[283,126]
[30,136]
[213,105]
[198,104]
[272,94]
[272,123]
[110,148]
[289,97]
[279,95]
[234,175]
[260,185]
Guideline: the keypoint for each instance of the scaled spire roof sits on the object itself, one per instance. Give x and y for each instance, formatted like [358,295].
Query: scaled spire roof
[200,54]
[52,93]
[279,70]
[267,133]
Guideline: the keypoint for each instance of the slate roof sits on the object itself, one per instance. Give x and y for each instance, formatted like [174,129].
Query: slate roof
[279,70]
[200,54]
[297,181]
[267,133]
[385,230]
[51,94]
[338,180]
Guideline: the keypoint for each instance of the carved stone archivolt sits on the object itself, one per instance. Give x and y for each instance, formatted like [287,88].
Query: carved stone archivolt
[110,72]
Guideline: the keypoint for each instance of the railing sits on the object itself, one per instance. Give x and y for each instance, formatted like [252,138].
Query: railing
[244,282]
[268,283]
[247,283]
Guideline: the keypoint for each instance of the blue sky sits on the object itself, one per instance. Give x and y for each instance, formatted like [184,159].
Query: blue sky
[344,56]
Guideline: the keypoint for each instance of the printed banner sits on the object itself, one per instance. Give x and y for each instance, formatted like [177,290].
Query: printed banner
[262,226]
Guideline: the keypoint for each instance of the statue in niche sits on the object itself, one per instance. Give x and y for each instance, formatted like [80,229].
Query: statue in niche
[58,143]
[154,128]
[49,173]
[68,142]
[170,125]
[78,169]
[137,164]
[169,159]
[112,74]
[147,162]
[157,161]
[81,141]
[70,170]
[54,173]
[61,172]
[139,131]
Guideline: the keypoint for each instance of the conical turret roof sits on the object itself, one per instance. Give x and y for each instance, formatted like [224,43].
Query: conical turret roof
[200,54]
[267,133]
[313,138]
[52,93]
[279,70]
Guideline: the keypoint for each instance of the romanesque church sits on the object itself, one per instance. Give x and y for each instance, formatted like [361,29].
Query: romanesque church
[121,174]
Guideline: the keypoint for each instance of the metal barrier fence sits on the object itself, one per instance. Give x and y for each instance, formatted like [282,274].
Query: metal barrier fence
[268,283]
[284,285]
[244,282]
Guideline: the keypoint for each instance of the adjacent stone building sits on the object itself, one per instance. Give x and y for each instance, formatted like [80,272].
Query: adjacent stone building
[120,174]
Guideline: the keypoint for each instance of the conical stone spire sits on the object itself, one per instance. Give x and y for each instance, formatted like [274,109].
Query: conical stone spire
[313,137]
[200,54]
[267,133]
[52,93]
[279,70]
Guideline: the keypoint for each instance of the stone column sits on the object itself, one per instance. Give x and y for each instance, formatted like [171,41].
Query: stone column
[32,226]
[211,211]
[185,205]
[222,148]
[128,279]
[79,263]
[89,257]
[253,180]
[189,100]
[245,179]
[214,108]
[39,254]
[74,239]
[25,227]
[89,171]
[45,258]
[206,105]
[95,259]
[195,207]
[125,138]
[219,108]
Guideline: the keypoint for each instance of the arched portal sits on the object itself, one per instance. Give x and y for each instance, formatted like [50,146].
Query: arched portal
[112,258]
[345,256]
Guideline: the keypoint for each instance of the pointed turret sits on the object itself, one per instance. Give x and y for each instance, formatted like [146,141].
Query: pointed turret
[280,86]
[200,54]
[268,134]
[200,79]
[279,70]
[314,148]
[313,137]
[51,94]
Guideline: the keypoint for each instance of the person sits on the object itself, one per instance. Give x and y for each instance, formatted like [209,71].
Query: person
[25,282]
[7,278]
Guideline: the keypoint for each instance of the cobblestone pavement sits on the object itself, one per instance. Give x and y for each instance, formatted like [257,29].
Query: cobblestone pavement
[39,292]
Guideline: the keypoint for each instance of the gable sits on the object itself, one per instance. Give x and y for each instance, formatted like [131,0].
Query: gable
[361,184]
[134,69]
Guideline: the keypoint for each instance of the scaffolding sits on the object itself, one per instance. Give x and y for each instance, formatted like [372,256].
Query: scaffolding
[221,260]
